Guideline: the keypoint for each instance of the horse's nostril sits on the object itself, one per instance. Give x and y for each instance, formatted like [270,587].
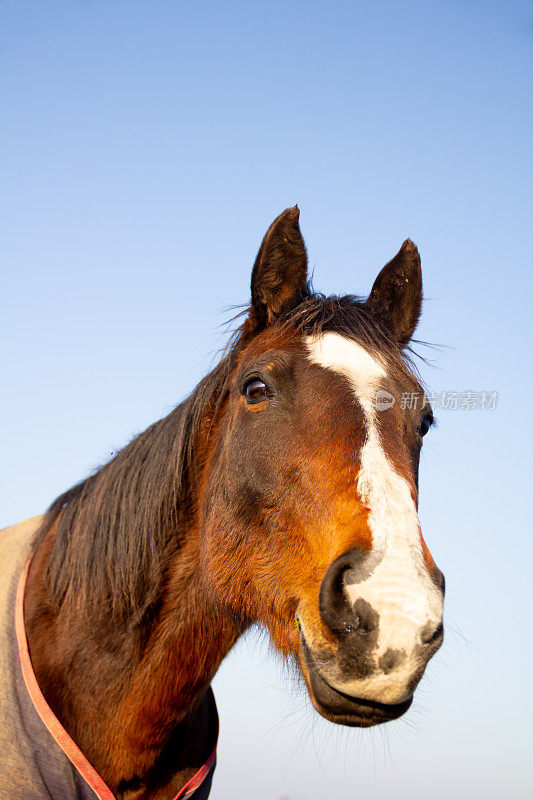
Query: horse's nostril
[441,581]
[347,621]
[430,634]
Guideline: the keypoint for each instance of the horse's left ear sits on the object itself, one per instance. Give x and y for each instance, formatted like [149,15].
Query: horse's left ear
[396,297]
[280,269]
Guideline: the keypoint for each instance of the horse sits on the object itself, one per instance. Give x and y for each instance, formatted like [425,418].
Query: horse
[282,492]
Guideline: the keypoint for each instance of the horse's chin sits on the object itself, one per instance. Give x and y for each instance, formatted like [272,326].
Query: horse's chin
[341,708]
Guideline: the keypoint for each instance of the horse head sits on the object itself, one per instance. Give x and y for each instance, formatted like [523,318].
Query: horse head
[308,508]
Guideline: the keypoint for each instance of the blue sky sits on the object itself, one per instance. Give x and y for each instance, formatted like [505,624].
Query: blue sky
[146,148]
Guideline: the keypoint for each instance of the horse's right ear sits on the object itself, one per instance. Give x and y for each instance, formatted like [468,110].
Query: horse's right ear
[280,270]
[396,297]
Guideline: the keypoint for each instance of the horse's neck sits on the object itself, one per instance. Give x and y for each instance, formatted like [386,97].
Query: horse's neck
[126,696]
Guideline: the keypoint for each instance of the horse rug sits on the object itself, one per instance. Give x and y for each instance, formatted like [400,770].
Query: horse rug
[38,759]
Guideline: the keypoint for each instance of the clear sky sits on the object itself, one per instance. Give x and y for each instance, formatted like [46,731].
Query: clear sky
[146,148]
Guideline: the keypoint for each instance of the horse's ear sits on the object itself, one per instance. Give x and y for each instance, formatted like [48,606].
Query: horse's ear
[396,297]
[280,269]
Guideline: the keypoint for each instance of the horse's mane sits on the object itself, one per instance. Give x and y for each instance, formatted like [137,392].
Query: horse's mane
[114,529]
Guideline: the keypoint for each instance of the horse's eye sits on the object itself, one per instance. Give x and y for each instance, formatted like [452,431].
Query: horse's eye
[425,425]
[255,390]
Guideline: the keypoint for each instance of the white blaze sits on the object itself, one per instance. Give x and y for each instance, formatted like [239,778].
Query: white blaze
[399,587]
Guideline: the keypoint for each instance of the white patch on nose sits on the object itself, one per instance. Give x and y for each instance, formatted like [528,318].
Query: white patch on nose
[399,588]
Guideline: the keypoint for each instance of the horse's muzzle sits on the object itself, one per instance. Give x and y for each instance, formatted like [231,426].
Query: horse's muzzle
[342,708]
[365,663]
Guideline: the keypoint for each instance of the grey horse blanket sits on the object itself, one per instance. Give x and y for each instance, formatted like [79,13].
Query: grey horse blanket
[38,759]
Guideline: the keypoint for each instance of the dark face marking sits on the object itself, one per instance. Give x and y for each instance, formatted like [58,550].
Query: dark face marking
[391,660]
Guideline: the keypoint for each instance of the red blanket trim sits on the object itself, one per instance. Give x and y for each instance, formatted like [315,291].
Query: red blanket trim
[54,727]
